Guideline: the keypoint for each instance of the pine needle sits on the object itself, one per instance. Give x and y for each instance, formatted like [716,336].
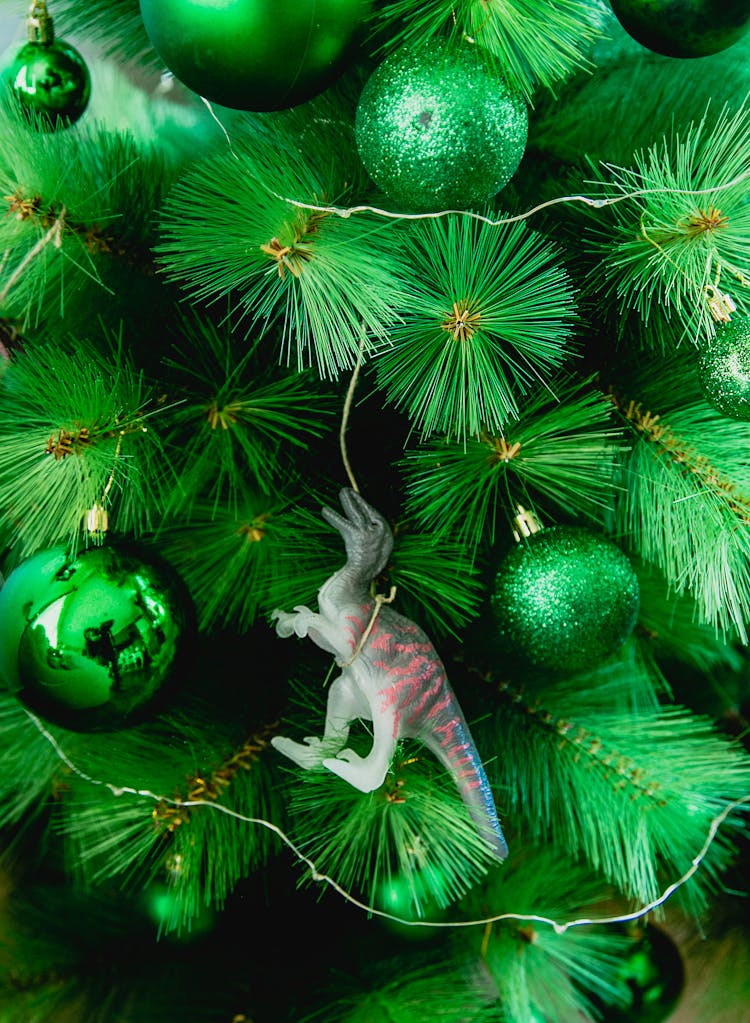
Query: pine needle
[75,427]
[687,497]
[674,249]
[230,228]
[633,794]
[559,456]
[534,970]
[238,423]
[488,313]
[535,43]
[414,829]
[98,190]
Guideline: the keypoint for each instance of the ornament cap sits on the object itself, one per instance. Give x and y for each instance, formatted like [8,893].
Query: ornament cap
[39,24]
[526,523]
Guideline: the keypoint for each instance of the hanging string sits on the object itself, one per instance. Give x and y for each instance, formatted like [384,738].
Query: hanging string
[347,411]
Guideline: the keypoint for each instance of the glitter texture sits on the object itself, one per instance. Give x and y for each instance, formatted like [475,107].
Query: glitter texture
[564,600]
[724,369]
[438,128]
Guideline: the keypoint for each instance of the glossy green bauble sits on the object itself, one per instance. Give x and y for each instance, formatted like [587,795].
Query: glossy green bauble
[684,28]
[88,641]
[50,79]
[564,599]
[438,128]
[255,54]
[724,369]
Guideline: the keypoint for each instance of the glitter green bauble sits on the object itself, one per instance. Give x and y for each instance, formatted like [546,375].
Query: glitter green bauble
[724,369]
[684,28]
[88,641]
[52,80]
[255,54]
[438,128]
[564,600]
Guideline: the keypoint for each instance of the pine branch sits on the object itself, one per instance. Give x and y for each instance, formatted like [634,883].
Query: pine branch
[116,25]
[75,427]
[238,423]
[608,113]
[533,969]
[413,831]
[683,246]
[686,504]
[90,193]
[200,854]
[238,224]
[558,457]
[632,793]
[534,43]
[489,313]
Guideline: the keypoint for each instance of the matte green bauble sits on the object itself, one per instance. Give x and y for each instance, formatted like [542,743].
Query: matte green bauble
[564,600]
[724,369]
[684,28]
[255,54]
[87,642]
[438,128]
[52,80]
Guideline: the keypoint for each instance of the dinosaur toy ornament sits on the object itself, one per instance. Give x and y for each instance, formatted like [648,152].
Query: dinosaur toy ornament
[391,675]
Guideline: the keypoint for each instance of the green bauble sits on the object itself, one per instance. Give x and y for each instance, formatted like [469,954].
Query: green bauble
[438,128]
[50,79]
[724,369]
[684,28]
[654,975]
[87,642]
[564,600]
[255,54]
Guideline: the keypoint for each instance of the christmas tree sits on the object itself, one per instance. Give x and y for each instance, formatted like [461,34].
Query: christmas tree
[374,502]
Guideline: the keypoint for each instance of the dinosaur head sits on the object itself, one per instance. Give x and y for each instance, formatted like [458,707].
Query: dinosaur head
[367,536]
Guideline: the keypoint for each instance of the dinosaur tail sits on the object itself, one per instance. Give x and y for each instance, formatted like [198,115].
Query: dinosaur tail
[450,740]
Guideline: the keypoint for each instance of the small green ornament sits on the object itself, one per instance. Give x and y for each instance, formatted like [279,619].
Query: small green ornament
[724,369]
[88,641]
[564,599]
[438,128]
[654,975]
[255,54]
[47,76]
[684,28]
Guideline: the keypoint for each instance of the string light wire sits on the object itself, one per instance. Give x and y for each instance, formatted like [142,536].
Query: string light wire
[317,876]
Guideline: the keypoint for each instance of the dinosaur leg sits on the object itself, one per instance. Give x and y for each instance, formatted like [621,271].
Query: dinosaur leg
[368,773]
[345,703]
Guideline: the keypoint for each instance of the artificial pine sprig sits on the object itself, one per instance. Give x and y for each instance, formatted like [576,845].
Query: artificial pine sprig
[237,422]
[535,43]
[402,989]
[251,224]
[77,205]
[685,505]
[680,244]
[489,312]
[413,831]
[230,556]
[77,429]
[533,969]
[183,757]
[632,793]
[559,456]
